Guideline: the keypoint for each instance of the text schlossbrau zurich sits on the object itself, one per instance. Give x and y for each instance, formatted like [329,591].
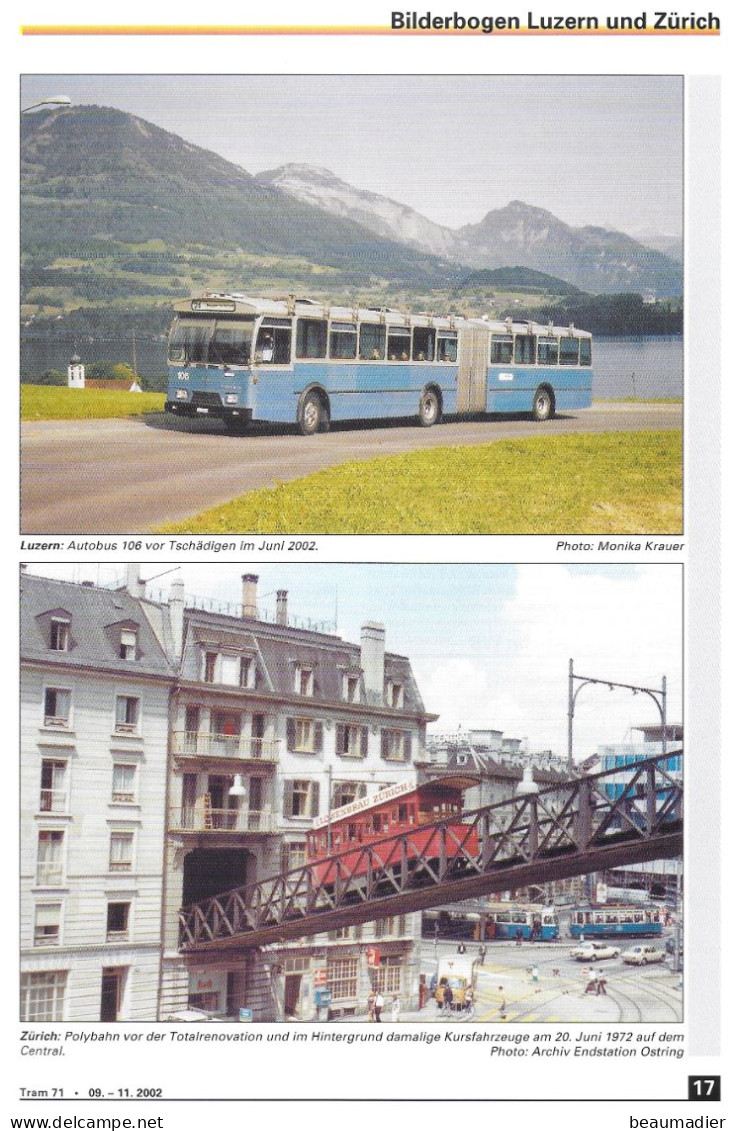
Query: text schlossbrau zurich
[457,21]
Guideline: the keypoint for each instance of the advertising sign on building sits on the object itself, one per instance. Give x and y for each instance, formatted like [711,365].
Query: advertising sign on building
[373,956]
[320,977]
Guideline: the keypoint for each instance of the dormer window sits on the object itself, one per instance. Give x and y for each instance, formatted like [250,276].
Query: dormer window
[351,688]
[229,669]
[128,644]
[59,635]
[304,684]
[394,695]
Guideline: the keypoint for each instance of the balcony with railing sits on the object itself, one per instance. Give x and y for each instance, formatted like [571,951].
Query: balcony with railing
[202,818]
[237,747]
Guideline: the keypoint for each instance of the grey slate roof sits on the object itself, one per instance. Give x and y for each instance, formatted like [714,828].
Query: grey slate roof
[97,616]
[280,649]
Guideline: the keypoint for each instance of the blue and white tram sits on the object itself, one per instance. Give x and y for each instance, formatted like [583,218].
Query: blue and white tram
[291,360]
[616,921]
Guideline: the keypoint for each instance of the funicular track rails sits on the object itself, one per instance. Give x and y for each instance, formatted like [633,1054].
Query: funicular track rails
[563,831]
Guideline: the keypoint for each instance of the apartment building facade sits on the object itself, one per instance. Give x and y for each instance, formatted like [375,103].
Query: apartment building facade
[95,690]
[170,753]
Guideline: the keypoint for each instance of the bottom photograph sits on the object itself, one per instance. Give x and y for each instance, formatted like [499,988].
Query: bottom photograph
[351,794]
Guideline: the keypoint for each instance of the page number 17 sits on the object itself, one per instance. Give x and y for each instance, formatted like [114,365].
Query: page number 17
[704,1088]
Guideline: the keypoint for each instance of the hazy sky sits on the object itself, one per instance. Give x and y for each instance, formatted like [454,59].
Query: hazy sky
[603,150]
[490,645]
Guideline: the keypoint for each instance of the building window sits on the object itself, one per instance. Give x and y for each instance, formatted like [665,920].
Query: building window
[394,695]
[351,688]
[127,714]
[59,635]
[351,741]
[56,707]
[121,852]
[113,987]
[118,921]
[47,924]
[345,792]
[53,786]
[50,858]
[42,996]
[304,683]
[210,667]
[128,644]
[293,855]
[388,975]
[123,782]
[247,672]
[304,736]
[394,925]
[301,798]
[396,745]
[342,977]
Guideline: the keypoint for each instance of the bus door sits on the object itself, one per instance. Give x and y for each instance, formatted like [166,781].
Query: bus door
[472,375]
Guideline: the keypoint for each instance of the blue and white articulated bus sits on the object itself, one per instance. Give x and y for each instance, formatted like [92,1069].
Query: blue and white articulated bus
[294,360]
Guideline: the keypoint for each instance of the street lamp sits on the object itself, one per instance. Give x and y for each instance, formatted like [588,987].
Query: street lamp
[53,100]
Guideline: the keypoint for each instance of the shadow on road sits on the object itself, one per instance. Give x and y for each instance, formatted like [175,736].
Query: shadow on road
[203,426]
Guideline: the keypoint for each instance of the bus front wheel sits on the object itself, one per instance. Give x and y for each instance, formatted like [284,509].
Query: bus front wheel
[543,403]
[313,414]
[430,409]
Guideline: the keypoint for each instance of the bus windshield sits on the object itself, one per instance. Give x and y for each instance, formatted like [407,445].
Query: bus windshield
[196,341]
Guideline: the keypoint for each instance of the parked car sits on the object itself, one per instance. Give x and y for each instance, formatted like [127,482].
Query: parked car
[593,951]
[641,955]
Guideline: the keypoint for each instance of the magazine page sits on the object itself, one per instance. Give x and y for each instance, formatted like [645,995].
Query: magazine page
[368,570]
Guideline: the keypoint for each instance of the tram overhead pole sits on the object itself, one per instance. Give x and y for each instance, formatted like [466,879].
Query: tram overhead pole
[658,695]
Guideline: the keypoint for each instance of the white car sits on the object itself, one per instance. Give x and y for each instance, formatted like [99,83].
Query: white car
[641,955]
[593,951]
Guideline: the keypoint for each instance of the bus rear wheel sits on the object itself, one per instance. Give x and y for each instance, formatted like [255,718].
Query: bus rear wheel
[430,408]
[543,403]
[313,414]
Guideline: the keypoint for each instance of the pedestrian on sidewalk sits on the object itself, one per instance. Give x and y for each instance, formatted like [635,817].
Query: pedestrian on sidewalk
[395,1009]
[519,936]
[379,1004]
[482,952]
[601,984]
[371,1005]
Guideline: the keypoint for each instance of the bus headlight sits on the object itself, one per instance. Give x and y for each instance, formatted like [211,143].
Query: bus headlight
[181,394]
[230,398]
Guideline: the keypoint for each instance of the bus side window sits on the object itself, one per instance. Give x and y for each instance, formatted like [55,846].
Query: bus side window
[501,349]
[424,341]
[569,351]
[525,349]
[399,343]
[273,346]
[343,341]
[548,351]
[372,342]
[446,346]
[311,338]
[585,351]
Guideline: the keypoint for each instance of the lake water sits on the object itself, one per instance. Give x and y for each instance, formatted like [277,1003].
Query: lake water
[623,367]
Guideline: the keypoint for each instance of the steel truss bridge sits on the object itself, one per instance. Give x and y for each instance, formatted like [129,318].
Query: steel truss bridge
[624,816]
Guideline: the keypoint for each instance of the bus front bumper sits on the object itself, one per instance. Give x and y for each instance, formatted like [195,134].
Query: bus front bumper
[182,408]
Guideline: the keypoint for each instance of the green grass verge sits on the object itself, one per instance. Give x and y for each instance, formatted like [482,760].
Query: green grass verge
[43,402]
[607,483]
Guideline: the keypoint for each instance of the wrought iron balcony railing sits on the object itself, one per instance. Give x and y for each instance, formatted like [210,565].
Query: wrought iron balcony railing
[203,819]
[206,744]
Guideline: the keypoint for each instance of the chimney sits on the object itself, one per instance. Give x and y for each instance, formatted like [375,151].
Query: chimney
[176,615]
[372,659]
[282,606]
[133,584]
[250,596]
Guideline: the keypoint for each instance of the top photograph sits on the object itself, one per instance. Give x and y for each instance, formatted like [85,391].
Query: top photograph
[344,304]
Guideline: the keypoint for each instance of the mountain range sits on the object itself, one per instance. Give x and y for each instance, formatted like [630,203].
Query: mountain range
[595,259]
[119,213]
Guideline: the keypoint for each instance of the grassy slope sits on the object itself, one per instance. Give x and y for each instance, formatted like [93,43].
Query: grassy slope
[612,483]
[40,402]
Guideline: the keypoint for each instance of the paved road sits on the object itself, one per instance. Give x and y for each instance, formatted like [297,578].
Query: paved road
[131,476]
